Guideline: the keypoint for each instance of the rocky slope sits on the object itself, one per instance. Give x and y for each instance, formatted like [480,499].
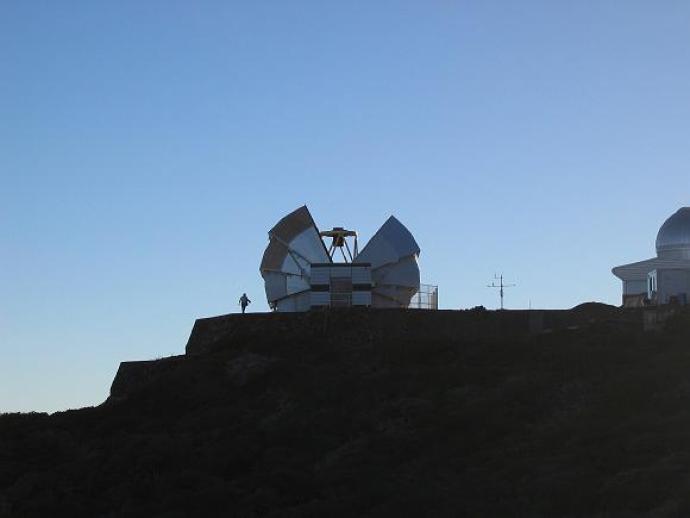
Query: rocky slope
[356,413]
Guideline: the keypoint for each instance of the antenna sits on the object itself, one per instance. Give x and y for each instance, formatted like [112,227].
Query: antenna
[500,285]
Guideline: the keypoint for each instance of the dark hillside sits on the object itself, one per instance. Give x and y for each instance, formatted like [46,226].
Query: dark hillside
[363,413]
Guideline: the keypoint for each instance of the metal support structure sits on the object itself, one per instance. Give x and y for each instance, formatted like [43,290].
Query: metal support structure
[500,285]
[339,237]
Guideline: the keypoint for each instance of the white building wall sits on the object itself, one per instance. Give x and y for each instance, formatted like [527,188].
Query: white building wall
[673,283]
[634,287]
[361,298]
[320,298]
[320,275]
[323,277]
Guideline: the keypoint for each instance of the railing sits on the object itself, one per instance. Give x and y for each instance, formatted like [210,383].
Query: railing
[425,298]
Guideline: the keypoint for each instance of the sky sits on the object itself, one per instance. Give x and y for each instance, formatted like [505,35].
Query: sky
[147,147]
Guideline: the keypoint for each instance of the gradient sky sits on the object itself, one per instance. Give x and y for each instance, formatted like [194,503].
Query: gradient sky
[147,147]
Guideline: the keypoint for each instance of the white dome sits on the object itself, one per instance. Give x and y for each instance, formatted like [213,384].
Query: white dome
[673,240]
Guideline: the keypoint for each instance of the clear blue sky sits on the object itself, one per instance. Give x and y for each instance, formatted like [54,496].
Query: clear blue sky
[147,147]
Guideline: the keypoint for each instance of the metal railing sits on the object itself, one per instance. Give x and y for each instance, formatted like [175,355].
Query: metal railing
[425,298]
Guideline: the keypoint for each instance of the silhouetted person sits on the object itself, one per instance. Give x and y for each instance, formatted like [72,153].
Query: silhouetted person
[244,302]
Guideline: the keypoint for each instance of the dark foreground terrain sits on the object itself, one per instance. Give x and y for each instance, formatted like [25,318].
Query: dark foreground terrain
[396,414]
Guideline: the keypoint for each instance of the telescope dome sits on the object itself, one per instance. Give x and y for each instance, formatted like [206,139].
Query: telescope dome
[673,240]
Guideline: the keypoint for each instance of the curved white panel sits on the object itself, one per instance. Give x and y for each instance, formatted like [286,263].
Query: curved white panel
[404,273]
[393,254]
[394,296]
[309,245]
[378,252]
[394,236]
[291,265]
[299,302]
[275,286]
[296,284]
[294,244]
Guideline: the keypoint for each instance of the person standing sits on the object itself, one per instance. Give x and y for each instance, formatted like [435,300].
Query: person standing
[244,302]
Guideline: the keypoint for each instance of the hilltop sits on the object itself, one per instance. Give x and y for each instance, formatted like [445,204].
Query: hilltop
[376,413]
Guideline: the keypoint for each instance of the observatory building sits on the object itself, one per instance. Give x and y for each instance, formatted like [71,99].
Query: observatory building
[300,271]
[664,279]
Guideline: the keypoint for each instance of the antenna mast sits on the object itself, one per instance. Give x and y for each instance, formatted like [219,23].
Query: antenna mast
[500,285]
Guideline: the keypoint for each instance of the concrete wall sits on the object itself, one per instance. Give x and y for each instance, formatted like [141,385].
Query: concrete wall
[133,376]
[357,327]
[355,324]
